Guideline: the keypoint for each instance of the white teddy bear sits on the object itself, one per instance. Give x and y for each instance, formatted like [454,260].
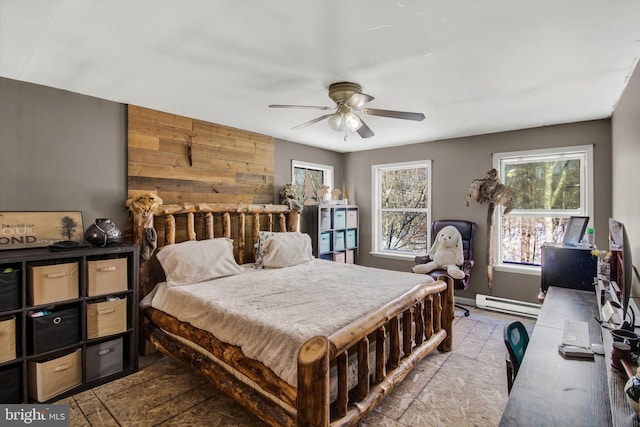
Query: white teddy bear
[445,253]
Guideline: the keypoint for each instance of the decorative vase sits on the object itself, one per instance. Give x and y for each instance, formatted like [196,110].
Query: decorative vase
[103,232]
[632,391]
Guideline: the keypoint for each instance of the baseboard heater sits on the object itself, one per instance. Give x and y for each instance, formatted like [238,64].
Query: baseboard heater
[510,306]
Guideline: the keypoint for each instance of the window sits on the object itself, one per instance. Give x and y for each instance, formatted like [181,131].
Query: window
[401,208]
[307,178]
[550,185]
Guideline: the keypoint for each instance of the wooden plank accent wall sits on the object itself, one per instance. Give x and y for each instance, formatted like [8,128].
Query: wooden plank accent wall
[228,165]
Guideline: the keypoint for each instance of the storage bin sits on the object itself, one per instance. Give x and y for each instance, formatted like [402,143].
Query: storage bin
[325,242]
[10,390]
[106,318]
[107,276]
[339,218]
[352,218]
[7,338]
[55,330]
[325,219]
[350,256]
[339,257]
[338,241]
[103,359]
[49,378]
[52,283]
[352,238]
[9,289]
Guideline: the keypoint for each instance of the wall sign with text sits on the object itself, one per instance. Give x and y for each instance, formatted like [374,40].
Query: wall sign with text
[19,230]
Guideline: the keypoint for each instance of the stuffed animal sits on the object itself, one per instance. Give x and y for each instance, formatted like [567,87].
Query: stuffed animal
[289,197]
[445,253]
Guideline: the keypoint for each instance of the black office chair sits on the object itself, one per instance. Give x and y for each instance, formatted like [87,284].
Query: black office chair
[516,338]
[467,230]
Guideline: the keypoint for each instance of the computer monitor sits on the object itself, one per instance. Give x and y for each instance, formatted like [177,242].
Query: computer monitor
[620,261]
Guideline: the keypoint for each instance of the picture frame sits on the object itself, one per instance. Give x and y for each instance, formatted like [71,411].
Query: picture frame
[21,230]
[575,230]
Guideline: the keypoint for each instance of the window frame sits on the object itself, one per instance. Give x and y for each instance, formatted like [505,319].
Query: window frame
[376,210]
[327,173]
[582,152]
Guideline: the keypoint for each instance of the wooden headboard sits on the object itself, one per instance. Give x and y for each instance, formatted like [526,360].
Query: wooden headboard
[176,223]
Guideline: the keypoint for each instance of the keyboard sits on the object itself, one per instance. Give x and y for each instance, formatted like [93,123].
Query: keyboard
[576,333]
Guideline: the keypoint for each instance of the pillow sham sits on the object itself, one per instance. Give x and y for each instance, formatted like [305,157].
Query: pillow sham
[259,252]
[286,249]
[195,261]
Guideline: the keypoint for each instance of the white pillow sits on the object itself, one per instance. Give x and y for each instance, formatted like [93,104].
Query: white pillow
[286,249]
[198,260]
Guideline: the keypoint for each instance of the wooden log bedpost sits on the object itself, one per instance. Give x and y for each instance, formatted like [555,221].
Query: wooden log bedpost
[447,314]
[313,383]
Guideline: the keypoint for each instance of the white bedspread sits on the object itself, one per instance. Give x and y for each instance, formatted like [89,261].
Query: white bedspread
[270,313]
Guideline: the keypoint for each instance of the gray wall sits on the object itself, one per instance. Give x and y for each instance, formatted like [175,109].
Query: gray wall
[625,126]
[456,162]
[60,151]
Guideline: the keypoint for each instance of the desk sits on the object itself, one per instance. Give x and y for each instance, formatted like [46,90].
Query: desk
[551,390]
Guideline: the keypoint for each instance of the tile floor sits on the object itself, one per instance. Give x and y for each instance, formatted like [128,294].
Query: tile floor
[465,387]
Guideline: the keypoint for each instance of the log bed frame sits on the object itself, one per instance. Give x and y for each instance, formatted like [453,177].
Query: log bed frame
[413,325]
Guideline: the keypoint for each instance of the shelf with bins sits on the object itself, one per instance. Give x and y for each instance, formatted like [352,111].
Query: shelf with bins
[333,230]
[71,323]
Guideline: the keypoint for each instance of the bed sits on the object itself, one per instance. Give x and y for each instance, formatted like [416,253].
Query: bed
[334,365]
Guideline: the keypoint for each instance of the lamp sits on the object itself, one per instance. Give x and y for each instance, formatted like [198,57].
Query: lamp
[344,120]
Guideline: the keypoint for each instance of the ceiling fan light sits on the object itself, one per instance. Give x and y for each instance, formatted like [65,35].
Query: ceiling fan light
[352,122]
[336,122]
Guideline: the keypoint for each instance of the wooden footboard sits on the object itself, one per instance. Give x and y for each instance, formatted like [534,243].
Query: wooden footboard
[413,325]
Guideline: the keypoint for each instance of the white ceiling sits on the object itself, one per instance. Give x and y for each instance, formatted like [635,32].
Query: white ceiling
[472,67]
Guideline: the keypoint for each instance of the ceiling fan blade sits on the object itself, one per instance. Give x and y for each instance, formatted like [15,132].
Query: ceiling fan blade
[357,100]
[394,114]
[310,122]
[308,107]
[365,131]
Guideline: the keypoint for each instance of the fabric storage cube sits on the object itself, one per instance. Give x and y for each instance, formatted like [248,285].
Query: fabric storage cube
[350,256]
[325,219]
[338,241]
[104,359]
[7,338]
[57,329]
[339,218]
[9,289]
[325,242]
[339,257]
[352,238]
[52,283]
[106,318]
[352,218]
[107,276]
[10,390]
[49,378]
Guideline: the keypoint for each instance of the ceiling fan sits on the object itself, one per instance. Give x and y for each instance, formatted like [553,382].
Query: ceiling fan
[350,100]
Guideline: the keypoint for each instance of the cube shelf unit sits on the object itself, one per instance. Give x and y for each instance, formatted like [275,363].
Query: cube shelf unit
[334,231]
[90,336]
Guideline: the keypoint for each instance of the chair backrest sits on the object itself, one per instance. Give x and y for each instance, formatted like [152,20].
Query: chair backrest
[516,338]
[467,230]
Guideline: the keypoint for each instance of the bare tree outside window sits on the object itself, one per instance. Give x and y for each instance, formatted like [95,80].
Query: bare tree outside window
[549,190]
[402,194]
[308,178]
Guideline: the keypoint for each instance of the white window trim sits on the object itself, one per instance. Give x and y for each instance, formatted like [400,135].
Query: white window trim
[586,196]
[375,203]
[327,169]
